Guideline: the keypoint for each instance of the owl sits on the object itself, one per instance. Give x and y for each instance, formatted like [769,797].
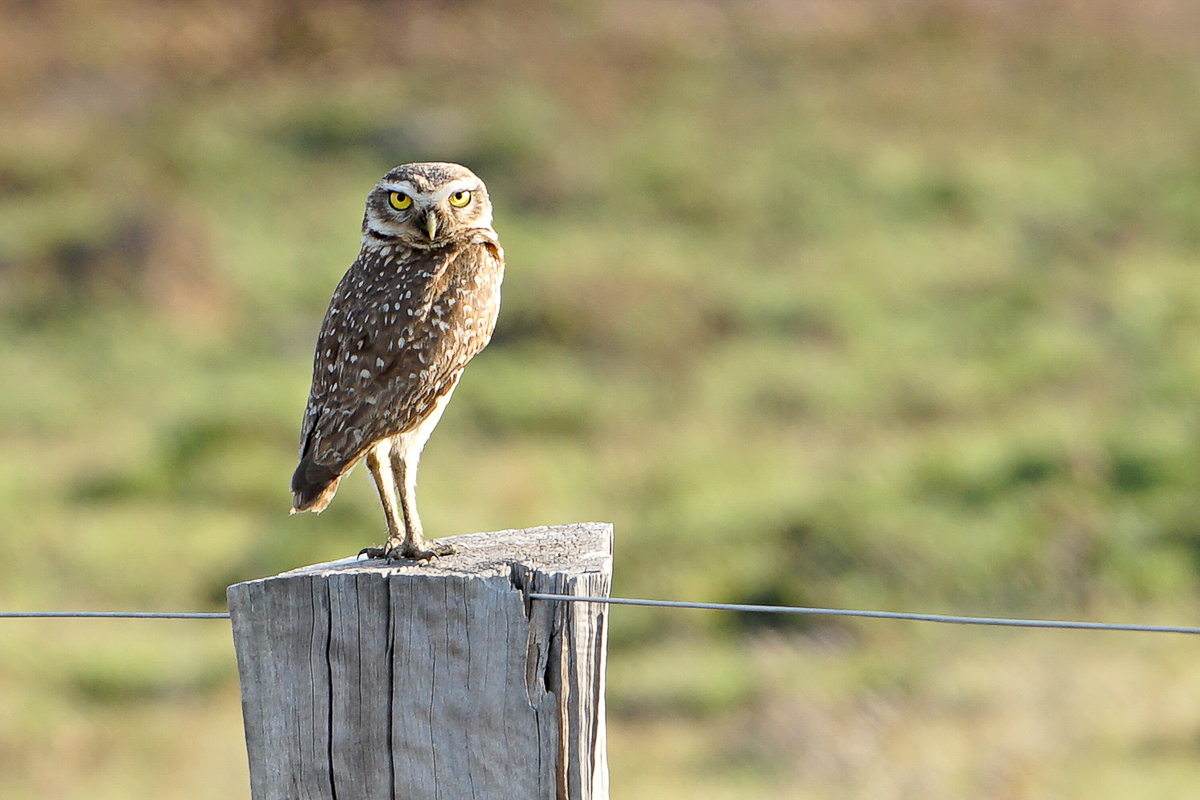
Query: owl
[418,303]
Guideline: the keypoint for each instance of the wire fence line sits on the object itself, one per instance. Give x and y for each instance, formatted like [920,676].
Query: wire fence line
[114,614]
[948,619]
[898,615]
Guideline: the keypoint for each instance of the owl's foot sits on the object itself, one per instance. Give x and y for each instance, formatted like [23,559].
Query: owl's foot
[409,550]
[432,550]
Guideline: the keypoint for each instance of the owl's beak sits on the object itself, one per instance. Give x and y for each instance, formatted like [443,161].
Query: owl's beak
[431,224]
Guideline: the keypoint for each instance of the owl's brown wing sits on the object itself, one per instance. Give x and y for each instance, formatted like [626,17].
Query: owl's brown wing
[394,341]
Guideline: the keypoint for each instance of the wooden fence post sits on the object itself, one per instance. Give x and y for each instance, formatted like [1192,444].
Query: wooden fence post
[362,681]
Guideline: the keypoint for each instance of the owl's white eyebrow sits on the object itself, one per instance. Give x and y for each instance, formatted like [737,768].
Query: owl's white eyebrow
[462,184]
[404,187]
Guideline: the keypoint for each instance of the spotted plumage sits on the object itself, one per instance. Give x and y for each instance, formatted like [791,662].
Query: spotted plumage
[418,303]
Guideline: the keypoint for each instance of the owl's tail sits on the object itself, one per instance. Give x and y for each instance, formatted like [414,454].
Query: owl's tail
[313,486]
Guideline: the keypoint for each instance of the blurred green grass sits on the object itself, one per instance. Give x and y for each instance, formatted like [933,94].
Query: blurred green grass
[875,305]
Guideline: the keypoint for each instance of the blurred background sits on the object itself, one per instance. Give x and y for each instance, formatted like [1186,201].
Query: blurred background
[826,302]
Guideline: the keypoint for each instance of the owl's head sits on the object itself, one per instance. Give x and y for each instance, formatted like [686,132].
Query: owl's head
[426,205]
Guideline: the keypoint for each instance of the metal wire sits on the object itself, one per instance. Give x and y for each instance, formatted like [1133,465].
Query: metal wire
[740,607]
[846,612]
[114,614]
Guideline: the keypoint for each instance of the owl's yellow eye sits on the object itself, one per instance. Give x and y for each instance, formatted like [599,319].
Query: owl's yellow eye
[400,201]
[460,199]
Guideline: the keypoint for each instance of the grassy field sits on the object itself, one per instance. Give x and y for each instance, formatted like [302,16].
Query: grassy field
[854,304]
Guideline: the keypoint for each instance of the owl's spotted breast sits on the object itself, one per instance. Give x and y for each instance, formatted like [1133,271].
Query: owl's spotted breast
[392,340]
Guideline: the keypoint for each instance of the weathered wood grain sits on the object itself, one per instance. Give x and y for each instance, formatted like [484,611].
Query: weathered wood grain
[440,680]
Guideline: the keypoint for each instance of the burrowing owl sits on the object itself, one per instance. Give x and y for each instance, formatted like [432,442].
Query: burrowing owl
[418,303]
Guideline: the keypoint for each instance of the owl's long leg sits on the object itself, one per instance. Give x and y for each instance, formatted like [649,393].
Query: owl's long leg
[380,467]
[404,468]
[395,476]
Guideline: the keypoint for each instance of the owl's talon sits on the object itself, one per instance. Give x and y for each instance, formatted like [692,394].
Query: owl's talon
[421,553]
[411,553]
